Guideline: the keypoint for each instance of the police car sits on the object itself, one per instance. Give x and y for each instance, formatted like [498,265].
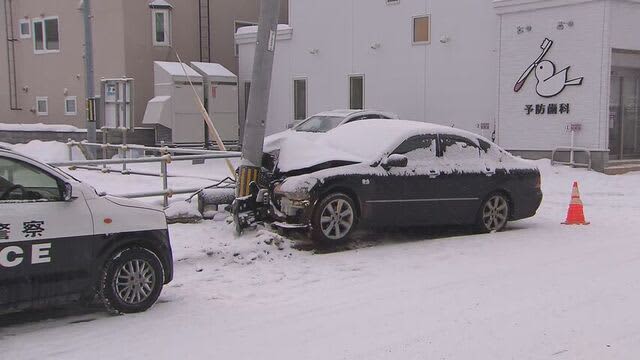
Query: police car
[61,241]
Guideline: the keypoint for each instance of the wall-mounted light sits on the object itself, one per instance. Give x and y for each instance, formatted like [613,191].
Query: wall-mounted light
[25,88]
[376,45]
[314,51]
[521,29]
[564,24]
[445,39]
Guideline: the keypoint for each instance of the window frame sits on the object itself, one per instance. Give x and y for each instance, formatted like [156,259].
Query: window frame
[46,100]
[306,98]
[458,138]
[43,20]
[351,77]
[75,105]
[36,169]
[434,137]
[28,23]
[167,27]
[413,29]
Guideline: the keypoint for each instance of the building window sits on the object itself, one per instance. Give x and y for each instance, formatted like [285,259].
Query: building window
[25,28]
[42,106]
[356,92]
[70,105]
[299,99]
[237,25]
[161,27]
[422,29]
[46,37]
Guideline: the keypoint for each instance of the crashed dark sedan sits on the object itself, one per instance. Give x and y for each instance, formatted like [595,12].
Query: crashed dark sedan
[400,173]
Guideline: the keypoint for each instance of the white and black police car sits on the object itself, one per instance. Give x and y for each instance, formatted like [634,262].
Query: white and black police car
[61,241]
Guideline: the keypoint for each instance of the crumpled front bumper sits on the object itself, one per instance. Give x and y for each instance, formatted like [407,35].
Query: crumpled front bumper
[292,214]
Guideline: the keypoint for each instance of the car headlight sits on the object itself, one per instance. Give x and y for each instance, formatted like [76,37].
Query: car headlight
[295,190]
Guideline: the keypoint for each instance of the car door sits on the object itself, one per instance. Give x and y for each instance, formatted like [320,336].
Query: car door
[421,181]
[44,241]
[465,178]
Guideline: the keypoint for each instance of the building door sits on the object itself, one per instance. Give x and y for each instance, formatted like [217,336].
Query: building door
[624,114]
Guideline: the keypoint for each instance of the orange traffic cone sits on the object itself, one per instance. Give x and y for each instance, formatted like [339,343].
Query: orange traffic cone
[575,215]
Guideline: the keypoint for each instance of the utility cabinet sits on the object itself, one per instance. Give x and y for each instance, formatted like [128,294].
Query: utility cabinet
[175,105]
[221,98]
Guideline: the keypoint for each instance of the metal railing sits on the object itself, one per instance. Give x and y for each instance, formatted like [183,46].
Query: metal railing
[572,150]
[166,156]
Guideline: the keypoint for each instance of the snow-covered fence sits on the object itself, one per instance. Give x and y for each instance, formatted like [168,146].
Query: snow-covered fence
[167,155]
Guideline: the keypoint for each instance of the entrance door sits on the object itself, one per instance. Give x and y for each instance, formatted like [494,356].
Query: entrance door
[624,114]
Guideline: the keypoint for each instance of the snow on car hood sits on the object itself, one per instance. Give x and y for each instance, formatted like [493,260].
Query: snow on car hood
[299,152]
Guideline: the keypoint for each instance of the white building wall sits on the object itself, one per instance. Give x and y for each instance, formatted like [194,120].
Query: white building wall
[450,82]
[580,47]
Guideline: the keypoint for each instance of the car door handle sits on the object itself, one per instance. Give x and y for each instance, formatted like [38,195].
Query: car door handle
[489,172]
[433,174]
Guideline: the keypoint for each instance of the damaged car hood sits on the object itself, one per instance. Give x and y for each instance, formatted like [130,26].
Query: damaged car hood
[299,155]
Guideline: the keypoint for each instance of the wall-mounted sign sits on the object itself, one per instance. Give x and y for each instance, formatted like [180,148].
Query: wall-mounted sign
[549,109]
[550,82]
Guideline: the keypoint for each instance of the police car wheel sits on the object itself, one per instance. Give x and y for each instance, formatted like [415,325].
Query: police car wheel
[131,281]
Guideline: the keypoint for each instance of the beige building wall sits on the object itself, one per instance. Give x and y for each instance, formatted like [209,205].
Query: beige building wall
[59,74]
[123,46]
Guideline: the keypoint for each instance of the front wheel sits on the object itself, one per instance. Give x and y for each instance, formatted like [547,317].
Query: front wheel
[493,214]
[131,281]
[333,220]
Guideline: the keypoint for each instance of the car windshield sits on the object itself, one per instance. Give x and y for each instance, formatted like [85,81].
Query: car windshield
[319,124]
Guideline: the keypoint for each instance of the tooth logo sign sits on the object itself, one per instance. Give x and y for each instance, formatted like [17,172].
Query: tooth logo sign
[550,82]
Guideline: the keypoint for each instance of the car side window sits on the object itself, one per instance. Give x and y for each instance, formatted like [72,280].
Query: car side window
[367,117]
[419,149]
[20,181]
[459,148]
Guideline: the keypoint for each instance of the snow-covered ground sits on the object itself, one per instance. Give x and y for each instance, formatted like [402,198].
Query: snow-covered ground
[540,290]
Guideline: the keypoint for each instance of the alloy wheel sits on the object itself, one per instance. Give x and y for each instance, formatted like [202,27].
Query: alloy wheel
[336,219]
[134,281]
[495,213]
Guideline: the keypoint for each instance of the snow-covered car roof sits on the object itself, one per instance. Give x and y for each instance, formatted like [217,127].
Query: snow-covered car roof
[371,139]
[358,142]
[349,112]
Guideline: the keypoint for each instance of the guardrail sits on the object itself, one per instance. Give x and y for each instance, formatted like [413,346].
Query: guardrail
[167,155]
[571,162]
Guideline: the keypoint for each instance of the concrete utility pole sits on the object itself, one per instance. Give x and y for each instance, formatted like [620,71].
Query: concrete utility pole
[89,76]
[254,130]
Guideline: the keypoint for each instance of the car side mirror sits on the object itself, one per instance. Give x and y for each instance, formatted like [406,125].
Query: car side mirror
[395,161]
[67,192]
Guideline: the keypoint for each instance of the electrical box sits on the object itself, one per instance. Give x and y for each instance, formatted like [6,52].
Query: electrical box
[221,98]
[175,105]
[117,103]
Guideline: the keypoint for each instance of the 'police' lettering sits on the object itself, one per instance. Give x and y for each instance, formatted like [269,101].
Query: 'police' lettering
[40,253]
[11,256]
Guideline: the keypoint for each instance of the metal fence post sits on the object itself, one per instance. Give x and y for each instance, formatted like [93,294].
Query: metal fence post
[70,146]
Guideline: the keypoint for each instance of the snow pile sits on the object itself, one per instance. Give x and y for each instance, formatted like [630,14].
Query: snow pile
[39,127]
[183,211]
[46,151]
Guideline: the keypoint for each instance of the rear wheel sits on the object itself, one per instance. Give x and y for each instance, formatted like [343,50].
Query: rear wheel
[131,281]
[493,214]
[333,220]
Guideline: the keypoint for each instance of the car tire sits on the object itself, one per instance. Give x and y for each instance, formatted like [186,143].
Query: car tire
[131,281]
[493,214]
[334,219]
